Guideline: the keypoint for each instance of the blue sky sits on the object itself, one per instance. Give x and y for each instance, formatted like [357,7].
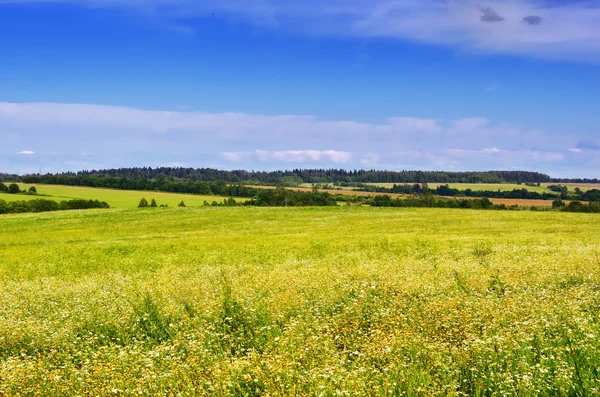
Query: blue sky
[279,84]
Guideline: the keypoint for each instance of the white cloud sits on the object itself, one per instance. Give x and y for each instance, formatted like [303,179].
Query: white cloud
[290,156]
[224,126]
[234,156]
[470,123]
[175,164]
[414,124]
[370,159]
[563,30]
[105,137]
[26,152]
[492,150]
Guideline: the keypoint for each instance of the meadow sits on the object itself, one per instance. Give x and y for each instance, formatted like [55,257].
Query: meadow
[503,187]
[299,301]
[115,198]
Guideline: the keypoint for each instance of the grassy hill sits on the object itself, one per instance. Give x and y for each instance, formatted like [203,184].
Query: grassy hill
[115,198]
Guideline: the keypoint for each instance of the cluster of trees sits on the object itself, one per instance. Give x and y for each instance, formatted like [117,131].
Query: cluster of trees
[591,195]
[13,188]
[561,192]
[8,177]
[219,188]
[44,205]
[281,197]
[289,178]
[429,201]
[576,180]
[144,203]
[228,202]
[578,206]
[447,191]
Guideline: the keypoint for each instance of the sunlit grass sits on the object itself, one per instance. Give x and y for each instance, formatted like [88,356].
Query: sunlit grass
[503,187]
[299,301]
[115,198]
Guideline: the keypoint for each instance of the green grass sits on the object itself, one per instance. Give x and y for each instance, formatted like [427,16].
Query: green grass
[115,198]
[300,301]
[26,197]
[543,188]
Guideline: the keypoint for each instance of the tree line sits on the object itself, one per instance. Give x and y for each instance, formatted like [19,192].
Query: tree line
[45,205]
[560,192]
[427,200]
[295,176]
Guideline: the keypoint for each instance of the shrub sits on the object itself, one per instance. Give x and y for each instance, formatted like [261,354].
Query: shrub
[143,203]
[13,188]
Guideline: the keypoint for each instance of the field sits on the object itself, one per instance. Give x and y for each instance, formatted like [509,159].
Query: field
[507,202]
[300,301]
[543,188]
[130,198]
[115,198]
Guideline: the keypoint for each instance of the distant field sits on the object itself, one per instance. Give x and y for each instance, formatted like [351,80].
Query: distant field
[346,301]
[543,188]
[508,202]
[115,198]
[25,197]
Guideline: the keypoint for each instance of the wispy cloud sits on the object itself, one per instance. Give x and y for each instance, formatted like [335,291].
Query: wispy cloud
[26,152]
[370,159]
[107,136]
[290,156]
[539,28]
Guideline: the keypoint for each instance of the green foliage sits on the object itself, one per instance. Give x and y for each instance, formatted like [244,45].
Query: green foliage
[173,178]
[241,331]
[282,197]
[577,206]
[591,195]
[152,323]
[43,205]
[182,204]
[153,203]
[3,187]
[292,181]
[143,203]
[32,189]
[13,188]
[427,200]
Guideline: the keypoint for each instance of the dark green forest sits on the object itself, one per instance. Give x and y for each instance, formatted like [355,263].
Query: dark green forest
[296,175]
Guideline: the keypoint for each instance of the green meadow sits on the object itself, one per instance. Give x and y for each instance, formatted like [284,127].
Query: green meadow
[543,188]
[346,301]
[115,198]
